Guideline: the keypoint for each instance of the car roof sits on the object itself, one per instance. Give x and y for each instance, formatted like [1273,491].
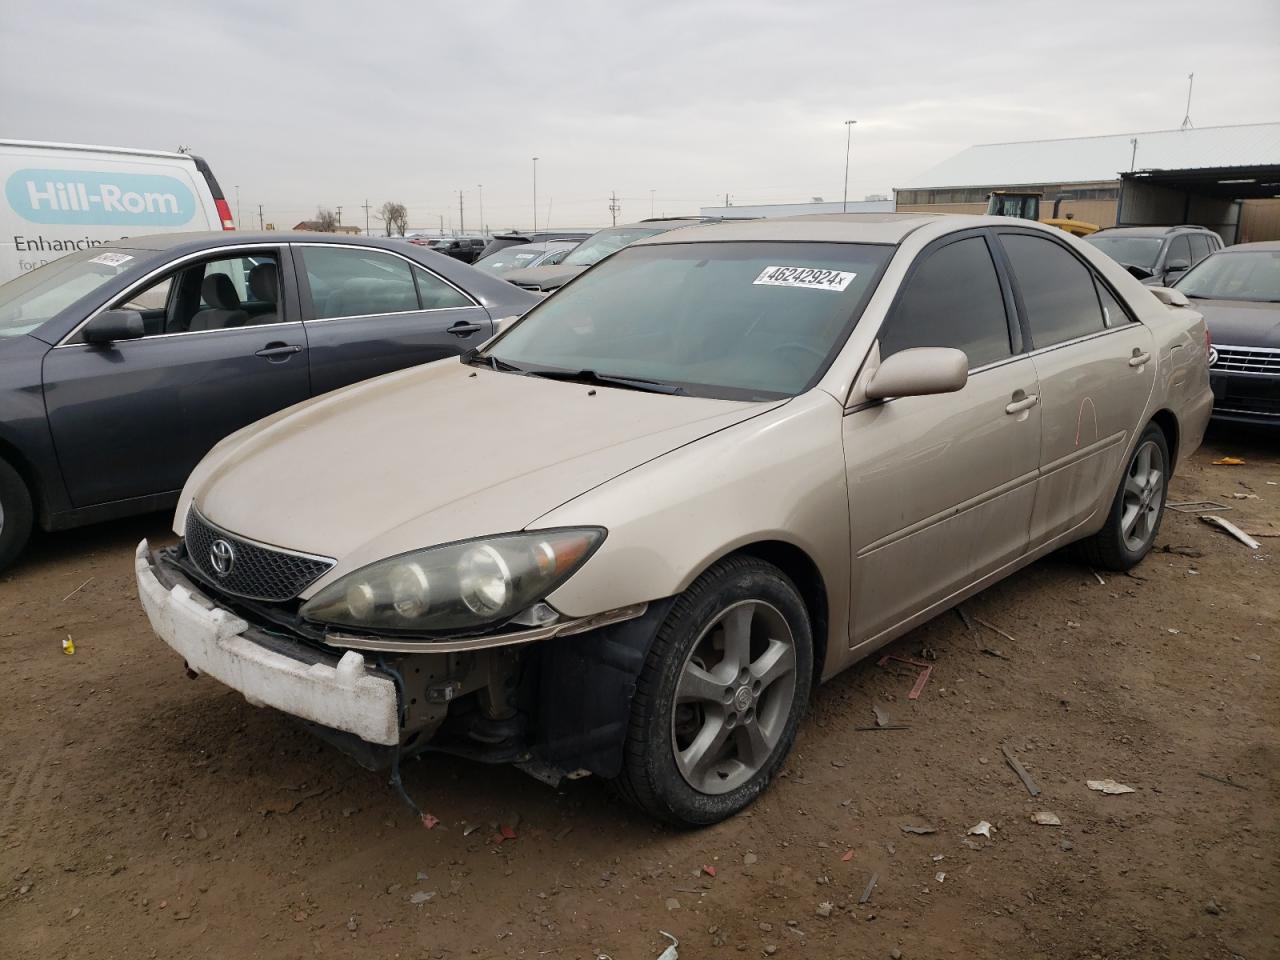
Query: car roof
[1258,246]
[1154,231]
[211,239]
[819,227]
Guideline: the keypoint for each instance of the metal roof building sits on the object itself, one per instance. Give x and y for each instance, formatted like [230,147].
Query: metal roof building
[1195,175]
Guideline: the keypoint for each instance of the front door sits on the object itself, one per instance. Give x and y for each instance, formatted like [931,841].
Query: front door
[370,311]
[941,487]
[1096,371]
[222,349]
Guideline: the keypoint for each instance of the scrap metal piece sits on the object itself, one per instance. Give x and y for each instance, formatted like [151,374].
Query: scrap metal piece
[1197,506]
[921,680]
[1232,529]
[1021,771]
[871,885]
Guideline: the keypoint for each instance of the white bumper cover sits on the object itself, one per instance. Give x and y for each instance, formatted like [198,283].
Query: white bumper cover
[212,641]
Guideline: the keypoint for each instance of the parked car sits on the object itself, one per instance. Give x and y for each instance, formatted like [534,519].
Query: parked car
[1157,255]
[500,240]
[726,463]
[524,255]
[61,197]
[466,249]
[592,250]
[120,366]
[1238,291]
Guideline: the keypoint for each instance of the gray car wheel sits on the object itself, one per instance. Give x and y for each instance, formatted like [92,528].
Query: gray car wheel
[721,694]
[15,514]
[1137,508]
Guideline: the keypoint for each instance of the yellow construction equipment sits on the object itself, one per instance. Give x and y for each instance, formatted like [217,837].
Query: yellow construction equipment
[1025,205]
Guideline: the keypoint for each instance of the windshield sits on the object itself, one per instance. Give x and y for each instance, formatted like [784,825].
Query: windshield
[739,321]
[1235,275]
[510,258]
[599,245]
[29,300]
[1131,251]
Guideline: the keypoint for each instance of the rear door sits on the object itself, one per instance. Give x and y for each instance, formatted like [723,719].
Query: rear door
[132,418]
[369,311]
[1096,371]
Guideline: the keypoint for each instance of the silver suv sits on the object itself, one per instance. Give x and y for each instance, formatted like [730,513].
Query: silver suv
[1157,255]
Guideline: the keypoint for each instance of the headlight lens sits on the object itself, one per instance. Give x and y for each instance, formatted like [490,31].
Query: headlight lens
[457,586]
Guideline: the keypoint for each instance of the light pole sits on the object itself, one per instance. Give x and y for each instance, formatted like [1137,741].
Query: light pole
[650,204]
[237,205]
[535,194]
[480,187]
[848,139]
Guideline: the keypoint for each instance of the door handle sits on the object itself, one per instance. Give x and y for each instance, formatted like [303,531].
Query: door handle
[464,329]
[1138,359]
[1026,403]
[278,351]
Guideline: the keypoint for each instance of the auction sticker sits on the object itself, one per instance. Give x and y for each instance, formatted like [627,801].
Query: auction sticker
[809,278]
[111,259]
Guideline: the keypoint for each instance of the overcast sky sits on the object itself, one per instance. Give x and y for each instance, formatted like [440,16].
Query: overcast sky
[318,103]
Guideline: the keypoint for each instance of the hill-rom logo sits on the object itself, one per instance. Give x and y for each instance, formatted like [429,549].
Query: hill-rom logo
[98,197]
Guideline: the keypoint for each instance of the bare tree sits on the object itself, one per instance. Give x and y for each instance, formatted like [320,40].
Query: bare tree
[395,217]
[326,220]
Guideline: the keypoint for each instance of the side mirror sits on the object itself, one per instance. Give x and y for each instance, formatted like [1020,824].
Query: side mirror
[918,372]
[1177,266]
[112,325]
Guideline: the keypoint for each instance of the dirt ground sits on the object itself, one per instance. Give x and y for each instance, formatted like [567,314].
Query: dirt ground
[145,815]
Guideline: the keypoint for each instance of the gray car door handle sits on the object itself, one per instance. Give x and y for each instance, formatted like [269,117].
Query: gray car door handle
[278,351]
[1138,359]
[464,329]
[1026,403]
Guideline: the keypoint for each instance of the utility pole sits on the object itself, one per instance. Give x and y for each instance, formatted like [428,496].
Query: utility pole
[260,217]
[614,206]
[237,204]
[366,216]
[339,214]
[726,199]
[462,224]
[1186,120]
[1133,157]
[480,188]
[848,140]
[535,194]
[651,204]
[441,224]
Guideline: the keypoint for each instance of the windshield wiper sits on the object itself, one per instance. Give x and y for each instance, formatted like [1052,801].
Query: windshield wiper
[492,362]
[609,379]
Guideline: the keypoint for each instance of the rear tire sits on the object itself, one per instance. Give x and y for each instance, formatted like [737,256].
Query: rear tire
[1137,509]
[721,694]
[15,514]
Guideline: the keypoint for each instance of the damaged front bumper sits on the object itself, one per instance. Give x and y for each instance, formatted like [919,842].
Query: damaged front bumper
[554,700]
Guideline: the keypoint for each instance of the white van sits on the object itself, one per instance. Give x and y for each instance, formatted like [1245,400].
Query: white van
[60,197]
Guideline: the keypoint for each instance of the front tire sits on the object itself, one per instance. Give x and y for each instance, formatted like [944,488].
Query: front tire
[1138,507]
[15,514]
[722,692]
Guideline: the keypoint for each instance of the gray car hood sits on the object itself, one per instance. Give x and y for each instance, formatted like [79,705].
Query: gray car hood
[544,278]
[434,454]
[1241,323]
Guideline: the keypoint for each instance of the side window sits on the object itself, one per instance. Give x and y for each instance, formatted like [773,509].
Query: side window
[1199,247]
[1113,314]
[952,299]
[1057,289]
[348,282]
[209,295]
[435,294]
[1179,249]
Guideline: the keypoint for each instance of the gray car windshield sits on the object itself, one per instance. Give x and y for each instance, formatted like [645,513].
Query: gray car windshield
[599,245]
[1235,275]
[738,321]
[1131,251]
[29,300]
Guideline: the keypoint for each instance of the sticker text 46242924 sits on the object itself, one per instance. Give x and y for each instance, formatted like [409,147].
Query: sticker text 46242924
[809,278]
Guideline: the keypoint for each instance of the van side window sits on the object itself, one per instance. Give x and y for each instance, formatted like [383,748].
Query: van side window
[952,299]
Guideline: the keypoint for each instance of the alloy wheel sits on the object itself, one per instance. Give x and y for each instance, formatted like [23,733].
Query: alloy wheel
[1143,496]
[733,697]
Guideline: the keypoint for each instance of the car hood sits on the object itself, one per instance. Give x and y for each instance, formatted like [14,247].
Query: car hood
[435,454]
[543,278]
[1241,323]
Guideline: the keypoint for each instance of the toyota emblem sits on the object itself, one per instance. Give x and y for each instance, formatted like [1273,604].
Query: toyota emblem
[222,555]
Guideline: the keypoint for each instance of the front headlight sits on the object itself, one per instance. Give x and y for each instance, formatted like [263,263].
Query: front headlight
[458,586]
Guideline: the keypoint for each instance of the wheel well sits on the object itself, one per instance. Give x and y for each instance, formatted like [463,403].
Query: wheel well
[1167,422]
[10,455]
[797,565]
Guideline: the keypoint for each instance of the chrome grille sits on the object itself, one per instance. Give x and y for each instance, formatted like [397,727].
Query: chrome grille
[256,571]
[1260,360]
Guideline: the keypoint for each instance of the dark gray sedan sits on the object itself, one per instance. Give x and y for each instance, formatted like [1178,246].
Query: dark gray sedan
[122,365]
[1238,291]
